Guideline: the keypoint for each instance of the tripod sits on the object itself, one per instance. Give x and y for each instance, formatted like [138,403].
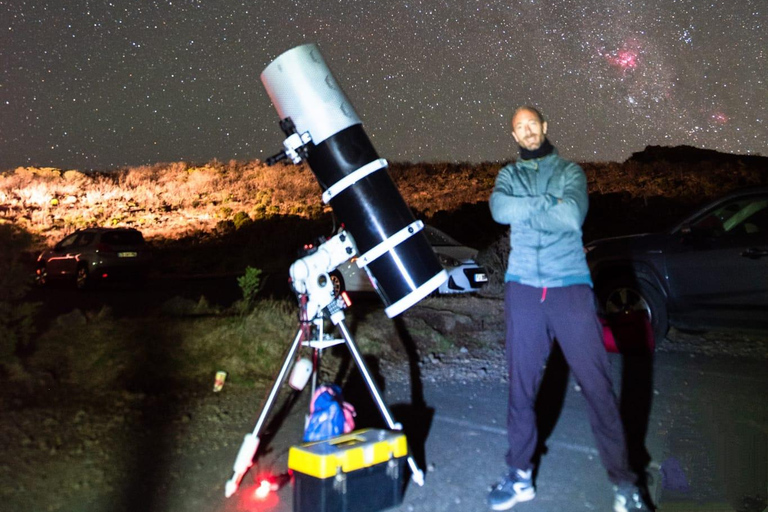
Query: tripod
[317,301]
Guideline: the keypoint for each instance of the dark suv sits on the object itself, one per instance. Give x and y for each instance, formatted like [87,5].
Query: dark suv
[709,271]
[96,254]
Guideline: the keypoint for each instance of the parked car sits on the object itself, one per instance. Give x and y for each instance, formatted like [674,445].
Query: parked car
[94,255]
[709,271]
[464,274]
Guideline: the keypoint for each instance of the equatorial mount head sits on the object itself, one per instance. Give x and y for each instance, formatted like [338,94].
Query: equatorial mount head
[310,275]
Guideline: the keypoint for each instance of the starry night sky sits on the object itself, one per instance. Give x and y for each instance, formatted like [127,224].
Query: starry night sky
[103,84]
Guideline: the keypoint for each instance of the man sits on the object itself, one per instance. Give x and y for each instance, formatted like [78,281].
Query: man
[548,295]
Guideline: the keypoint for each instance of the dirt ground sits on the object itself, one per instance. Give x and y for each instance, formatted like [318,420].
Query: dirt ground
[102,450]
[65,449]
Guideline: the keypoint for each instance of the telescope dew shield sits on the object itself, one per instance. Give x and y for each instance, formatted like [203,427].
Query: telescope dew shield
[391,244]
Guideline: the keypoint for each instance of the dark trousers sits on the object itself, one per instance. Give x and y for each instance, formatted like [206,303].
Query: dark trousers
[534,317]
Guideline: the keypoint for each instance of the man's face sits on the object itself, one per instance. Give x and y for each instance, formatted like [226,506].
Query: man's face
[527,130]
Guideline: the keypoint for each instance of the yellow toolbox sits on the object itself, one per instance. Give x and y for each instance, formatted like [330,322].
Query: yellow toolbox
[358,472]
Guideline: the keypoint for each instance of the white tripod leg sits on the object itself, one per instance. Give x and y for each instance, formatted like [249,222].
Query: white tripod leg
[247,451]
[417,475]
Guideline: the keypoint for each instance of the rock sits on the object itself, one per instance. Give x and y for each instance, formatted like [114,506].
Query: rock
[444,321]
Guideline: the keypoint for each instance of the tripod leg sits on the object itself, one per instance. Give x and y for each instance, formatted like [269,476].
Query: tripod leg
[416,474]
[250,444]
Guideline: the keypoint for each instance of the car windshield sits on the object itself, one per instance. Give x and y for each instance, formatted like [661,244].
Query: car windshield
[122,238]
[742,216]
[439,239]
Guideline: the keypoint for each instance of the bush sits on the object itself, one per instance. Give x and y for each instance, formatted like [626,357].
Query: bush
[241,219]
[16,330]
[250,284]
[103,354]
[494,259]
[16,316]
[181,307]
[224,226]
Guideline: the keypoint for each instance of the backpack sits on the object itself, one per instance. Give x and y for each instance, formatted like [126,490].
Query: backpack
[329,414]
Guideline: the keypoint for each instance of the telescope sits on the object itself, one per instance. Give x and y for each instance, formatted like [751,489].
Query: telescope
[323,129]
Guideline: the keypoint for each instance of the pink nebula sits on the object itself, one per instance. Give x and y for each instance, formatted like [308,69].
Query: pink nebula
[623,59]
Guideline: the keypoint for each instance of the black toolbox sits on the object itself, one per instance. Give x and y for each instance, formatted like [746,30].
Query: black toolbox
[362,471]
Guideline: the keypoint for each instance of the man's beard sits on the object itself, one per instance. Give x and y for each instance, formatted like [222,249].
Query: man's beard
[534,142]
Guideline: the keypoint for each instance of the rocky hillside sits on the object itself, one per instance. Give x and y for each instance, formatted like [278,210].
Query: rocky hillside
[242,204]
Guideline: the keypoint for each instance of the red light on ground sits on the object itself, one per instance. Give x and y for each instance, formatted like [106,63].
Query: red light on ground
[263,490]
[104,275]
[259,497]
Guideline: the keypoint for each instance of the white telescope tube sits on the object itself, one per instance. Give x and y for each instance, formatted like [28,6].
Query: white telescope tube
[302,87]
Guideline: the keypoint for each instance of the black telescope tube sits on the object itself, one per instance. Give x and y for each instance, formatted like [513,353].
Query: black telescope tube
[373,210]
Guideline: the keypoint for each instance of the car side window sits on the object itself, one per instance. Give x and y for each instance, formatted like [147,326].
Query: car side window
[757,222]
[747,216]
[68,242]
[85,239]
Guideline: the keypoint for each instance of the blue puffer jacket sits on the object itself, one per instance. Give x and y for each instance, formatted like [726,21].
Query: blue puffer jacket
[545,234]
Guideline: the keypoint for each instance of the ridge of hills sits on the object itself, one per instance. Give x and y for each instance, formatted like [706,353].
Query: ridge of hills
[265,212]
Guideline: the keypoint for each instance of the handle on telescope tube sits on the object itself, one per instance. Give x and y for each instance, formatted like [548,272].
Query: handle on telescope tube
[288,129]
[272,160]
[295,144]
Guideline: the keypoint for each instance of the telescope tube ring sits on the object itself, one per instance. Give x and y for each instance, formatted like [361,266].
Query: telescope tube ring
[352,178]
[418,294]
[390,243]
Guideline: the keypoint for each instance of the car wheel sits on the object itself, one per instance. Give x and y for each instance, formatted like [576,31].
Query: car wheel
[628,295]
[41,276]
[338,282]
[82,279]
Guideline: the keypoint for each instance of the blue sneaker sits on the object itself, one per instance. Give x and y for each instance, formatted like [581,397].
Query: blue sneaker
[628,498]
[515,488]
